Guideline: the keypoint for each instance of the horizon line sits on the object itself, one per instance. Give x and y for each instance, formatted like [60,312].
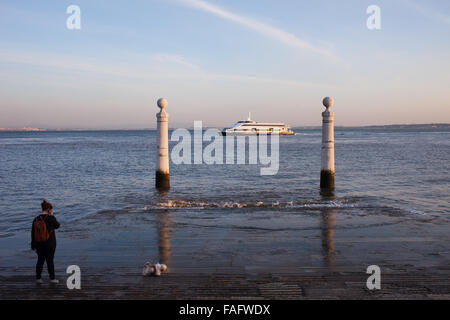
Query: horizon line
[33,129]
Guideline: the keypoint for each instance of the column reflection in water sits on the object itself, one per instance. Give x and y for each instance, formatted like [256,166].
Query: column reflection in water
[327,227]
[164,229]
[164,224]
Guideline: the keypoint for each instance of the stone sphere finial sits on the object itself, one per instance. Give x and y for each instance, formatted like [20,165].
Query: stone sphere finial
[162,103]
[328,102]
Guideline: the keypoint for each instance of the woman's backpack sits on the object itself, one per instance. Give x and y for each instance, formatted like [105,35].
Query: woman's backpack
[41,233]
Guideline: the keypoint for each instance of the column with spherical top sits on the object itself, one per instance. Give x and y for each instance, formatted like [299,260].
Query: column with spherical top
[162,147]
[327,169]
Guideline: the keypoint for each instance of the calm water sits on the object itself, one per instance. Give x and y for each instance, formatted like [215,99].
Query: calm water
[93,175]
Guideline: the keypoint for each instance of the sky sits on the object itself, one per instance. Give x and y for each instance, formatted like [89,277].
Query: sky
[217,60]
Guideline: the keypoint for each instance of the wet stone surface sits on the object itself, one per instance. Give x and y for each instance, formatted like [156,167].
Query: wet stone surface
[302,284]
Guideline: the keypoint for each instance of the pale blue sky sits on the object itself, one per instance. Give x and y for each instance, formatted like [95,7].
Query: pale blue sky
[216,60]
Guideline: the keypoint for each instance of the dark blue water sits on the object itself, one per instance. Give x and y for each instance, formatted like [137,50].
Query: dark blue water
[87,174]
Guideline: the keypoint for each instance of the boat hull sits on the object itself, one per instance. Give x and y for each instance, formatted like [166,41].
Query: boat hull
[223,133]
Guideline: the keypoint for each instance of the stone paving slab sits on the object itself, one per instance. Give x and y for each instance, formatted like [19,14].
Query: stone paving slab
[126,284]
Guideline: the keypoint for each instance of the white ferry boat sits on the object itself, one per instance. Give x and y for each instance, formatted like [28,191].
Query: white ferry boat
[250,127]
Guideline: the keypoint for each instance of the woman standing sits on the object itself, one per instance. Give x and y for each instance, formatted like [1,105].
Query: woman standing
[43,240]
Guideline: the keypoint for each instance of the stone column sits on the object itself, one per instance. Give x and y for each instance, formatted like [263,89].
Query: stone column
[162,147]
[327,169]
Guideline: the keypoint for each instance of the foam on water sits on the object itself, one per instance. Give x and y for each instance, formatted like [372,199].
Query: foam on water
[174,204]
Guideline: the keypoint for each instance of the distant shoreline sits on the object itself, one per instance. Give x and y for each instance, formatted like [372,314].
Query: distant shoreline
[430,126]
[23,129]
[433,126]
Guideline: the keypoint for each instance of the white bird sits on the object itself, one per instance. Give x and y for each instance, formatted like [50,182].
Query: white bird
[149,269]
[153,269]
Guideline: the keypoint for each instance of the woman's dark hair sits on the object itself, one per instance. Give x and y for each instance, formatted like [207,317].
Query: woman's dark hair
[46,206]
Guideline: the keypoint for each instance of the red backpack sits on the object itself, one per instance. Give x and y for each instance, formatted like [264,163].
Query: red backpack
[41,233]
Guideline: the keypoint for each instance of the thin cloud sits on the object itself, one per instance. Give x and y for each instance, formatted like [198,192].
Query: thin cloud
[173,59]
[281,82]
[157,65]
[264,29]
[79,65]
[428,12]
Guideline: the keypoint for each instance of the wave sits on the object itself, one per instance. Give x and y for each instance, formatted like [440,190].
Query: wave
[179,204]
[185,204]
